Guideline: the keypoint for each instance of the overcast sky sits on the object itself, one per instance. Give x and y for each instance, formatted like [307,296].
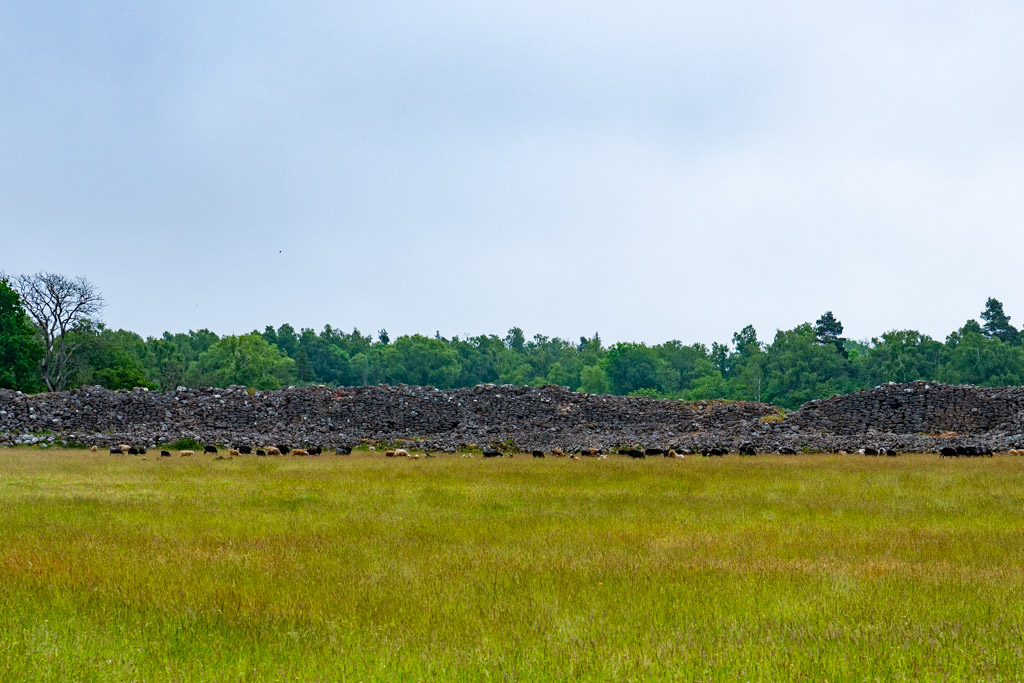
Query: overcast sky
[648,170]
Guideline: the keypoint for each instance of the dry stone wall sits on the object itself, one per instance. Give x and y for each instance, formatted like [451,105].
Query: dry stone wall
[909,417]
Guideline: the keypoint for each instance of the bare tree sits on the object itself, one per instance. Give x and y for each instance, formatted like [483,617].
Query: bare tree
[58,305]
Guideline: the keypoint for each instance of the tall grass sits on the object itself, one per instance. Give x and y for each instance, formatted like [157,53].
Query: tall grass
[823,567]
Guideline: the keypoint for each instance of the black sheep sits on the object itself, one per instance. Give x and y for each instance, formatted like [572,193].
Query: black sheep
[209,449]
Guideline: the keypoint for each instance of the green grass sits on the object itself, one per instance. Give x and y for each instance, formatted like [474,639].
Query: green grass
[365,568]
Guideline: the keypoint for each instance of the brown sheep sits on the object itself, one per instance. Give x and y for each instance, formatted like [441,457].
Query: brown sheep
[124,448]
[233,451]
[557,452]
[273,450]
[299,451]
[185,454]
[389,454]
[94,449]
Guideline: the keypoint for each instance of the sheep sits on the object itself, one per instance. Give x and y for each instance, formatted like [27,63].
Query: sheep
[538,454]
[635,453]
[373,448]
[124,448]
[890,452]
[748,449]
[185,454]
[343,450]
[1014,451]
[785,450]
[245,450]
[492,453]
[209,449]
[947,452]
[653,451]
[467,455]
[132,450]
[260,452]
[315,450]
[142,450]
[401,453]
[284,449]
[389,454]
[94,449]
[558,452]
[165,454]
[299,451]
[273,450]
[233,451]
[115,450]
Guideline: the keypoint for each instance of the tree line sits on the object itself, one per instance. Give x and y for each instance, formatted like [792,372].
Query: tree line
[51,338]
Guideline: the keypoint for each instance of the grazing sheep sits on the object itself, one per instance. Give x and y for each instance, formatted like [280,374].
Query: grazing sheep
[635,453]
[185,454]
[233,451]
[343,450]
[653,451]
[209,449]
[890,452]
[142,450]
[132,450]
[785,450]
[115,450]
[1013,451]
[947,452]
[389,454]
[299,451]
[714,451]
[538,454]
[261,452]
[284,449]
[124,448]
[558,452]
[273,450]
[492,453]
[245,450]
[401,453]
[94,449]
[165,454]
[870,451]
[748,449]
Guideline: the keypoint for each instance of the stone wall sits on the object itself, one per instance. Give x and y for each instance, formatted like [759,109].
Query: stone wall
[916,408]
[910,417]
[528,417]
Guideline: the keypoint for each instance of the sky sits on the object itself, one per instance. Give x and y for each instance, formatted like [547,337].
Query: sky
[647,170]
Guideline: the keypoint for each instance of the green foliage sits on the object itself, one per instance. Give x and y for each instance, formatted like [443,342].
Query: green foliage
[20,350]
[807,362]
[593,380]
[997,323]
[184,445]
[246,359]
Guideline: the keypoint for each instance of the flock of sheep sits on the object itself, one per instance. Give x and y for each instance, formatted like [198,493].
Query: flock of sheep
[635,452]
[125,449]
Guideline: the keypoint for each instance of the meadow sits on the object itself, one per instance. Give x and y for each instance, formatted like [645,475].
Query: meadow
[820,567]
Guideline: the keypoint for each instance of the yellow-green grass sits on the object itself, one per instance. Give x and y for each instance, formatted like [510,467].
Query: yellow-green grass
[364,568]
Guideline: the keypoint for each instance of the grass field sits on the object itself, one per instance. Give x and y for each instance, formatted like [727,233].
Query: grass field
[365,568]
